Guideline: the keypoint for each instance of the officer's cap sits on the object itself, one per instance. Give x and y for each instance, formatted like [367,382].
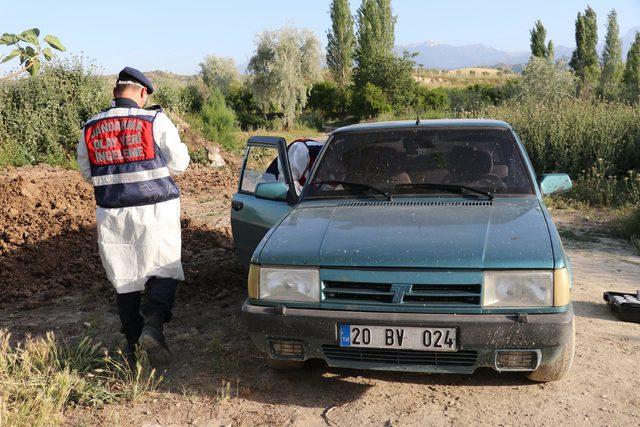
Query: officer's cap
[129,74]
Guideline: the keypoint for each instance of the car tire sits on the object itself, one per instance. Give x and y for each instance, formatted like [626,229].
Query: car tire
[557,369]
[284,365]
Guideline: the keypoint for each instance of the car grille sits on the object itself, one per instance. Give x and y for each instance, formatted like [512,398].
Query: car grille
[399,357]
[416,294]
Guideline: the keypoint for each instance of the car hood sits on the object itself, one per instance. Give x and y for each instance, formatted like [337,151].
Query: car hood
[463,234]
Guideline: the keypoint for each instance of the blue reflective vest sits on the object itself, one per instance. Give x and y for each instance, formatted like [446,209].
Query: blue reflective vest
[127,166]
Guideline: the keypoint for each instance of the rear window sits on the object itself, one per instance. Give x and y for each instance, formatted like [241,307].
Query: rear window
[482,158]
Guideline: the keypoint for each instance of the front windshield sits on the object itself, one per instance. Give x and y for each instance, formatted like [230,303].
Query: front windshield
[405,161]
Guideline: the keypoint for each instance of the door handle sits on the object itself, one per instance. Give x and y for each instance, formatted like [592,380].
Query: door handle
[236,206]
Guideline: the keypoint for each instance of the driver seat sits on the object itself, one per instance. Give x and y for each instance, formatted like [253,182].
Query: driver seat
[467,164]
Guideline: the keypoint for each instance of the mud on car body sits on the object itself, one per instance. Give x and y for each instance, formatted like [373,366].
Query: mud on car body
[413,246]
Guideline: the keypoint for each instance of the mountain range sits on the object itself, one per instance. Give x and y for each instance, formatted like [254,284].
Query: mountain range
[436,55]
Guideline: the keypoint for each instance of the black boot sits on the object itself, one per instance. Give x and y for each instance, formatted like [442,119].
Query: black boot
[130,356]
[153,342]
[132,323]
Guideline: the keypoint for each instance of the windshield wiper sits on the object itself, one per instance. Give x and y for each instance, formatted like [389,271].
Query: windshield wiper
[452,188]
[356,185]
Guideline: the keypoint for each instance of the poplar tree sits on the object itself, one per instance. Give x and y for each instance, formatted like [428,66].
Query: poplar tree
[551,53]
[538,40]
[539,46]
[584,60]
[341,41]
[632,71]
[382,81]
[612,66]
[376,30]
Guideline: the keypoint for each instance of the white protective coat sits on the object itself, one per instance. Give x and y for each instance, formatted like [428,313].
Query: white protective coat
[299,160]
[139,242]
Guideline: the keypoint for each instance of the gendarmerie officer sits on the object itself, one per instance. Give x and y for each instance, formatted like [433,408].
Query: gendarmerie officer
[129,154]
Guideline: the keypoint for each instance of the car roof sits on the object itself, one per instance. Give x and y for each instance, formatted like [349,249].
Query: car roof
[424,123]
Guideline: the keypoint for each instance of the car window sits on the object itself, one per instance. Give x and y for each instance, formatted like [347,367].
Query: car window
[262,166]
[482,158]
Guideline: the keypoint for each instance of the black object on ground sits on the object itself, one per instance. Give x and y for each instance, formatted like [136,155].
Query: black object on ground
[626,306]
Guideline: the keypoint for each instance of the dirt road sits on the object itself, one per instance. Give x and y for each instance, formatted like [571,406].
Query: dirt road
[218,378]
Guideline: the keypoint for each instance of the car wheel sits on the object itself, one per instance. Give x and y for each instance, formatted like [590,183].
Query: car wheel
[557,369]
[284,365]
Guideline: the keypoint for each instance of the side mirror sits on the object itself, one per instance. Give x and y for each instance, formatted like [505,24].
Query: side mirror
[553,183]
[277,191]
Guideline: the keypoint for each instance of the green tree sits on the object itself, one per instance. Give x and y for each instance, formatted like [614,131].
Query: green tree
[612,66]
[28,48]
[377,68]
[584,60]
[389,73]
[546,80]
[436,99]
[632,71]
[376,30]
[284,67]
[329,100]
[341,42]
[219,73]
[250,115]
[218,120]
[551,53]
[539,46]
[373,101]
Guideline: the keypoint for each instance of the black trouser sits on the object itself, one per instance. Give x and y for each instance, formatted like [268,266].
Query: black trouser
[161,292]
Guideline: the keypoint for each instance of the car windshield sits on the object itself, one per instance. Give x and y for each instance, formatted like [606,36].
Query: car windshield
[422,161]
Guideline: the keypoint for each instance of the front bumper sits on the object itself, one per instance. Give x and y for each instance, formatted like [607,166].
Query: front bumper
[479,336]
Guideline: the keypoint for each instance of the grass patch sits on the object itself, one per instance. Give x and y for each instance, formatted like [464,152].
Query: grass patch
[224,361]
[627,226]
[199,156]
[578,237]
[41,377]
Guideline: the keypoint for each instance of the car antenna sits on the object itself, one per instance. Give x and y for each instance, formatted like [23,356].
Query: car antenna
[417,116]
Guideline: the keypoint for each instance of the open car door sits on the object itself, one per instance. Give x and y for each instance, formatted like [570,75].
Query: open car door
[264,194]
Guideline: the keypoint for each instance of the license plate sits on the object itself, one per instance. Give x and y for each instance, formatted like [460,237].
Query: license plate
[408,338]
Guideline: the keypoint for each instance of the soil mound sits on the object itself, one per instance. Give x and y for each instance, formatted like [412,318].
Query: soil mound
[48,236]
[39,203]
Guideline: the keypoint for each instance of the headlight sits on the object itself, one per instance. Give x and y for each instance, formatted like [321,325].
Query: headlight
[289,284]
[518,289]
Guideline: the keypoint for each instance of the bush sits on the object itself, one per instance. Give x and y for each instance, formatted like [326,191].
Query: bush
[432,99]
[371,102]
[177,97]
[218,120]
[329,100]
[544,80]
[629,228]
[249,115]
[477,97]
[599,189]
[384,82]
[574,135]
[41,117]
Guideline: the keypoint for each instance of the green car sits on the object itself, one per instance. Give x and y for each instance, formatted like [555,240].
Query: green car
[413,246]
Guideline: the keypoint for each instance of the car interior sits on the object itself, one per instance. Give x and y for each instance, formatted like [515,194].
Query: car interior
[484,159]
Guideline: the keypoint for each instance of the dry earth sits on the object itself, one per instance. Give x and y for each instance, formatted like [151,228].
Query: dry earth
[49,281]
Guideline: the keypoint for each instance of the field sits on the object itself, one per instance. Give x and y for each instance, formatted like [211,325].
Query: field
[463,77]
[53,281]
[218,378]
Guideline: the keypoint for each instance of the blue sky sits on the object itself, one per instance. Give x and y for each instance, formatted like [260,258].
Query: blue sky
[175,36]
